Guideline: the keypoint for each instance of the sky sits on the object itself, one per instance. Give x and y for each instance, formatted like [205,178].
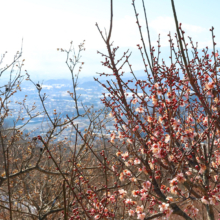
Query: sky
[45,25]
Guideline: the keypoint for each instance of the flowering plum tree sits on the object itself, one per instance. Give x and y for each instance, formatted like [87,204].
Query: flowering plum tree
[167,134]
[160,162]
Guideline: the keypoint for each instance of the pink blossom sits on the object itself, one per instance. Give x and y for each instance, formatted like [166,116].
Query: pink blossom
[134,101]
[127,172]
[97,216]
[128,201]
[164,206]
[191,209]
[120,136]
[110,114]
[140,209]
[146,185]
[133,179]
[168,212]
[170,199]
[114,168]
[131,212]
[118,153]
[149,119]
[188,173]
[113,138]
[202,168]
[173,190]
[195,211]
[135,193]
[130,141]
[213,200]
[175,123]
[121,177]
[140,110]
[156,85]
[154,100]
[112,198]
[209,85]
[125,155]
[180,178]
[137,161]
[167,138]
[141,216]
[143,196]
[122,192]
[204,200]
[215,178]
[92,211]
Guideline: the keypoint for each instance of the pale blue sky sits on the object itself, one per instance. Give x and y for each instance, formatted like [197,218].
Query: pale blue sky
[48,24]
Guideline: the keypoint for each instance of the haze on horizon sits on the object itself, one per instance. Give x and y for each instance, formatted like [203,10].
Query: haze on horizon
[48,25]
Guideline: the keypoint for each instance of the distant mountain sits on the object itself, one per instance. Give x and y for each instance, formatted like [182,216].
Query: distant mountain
[57,81]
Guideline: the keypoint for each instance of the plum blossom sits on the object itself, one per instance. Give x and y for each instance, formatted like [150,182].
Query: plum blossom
[121,177]
[128,201]
[190,118]
[156,85]
[149,119]
[137,161]
[209,85]
[170,199]
[167,138]
[180,178]
[191,209]
[122,192]
[154,100]
[140,110]
[133,179]
[146,185]
[113,138]
[143,196]
[125,155]
[134,101]
[205,121]
[120,136]
[112,198]
[204,200]
[97,216]
[114,168]
[217,156]
[140,209]
[159,92]
[213,200]
[202,168]
[164,206]
[131,212]
[127,172]
[135,193]
[168,212]
[144,169]
[173,190]
[141,216]
[130,141]
[110,114]
[125,127]
[92,211]
[160,119]
[118,153]
[188,173]
[175,123]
